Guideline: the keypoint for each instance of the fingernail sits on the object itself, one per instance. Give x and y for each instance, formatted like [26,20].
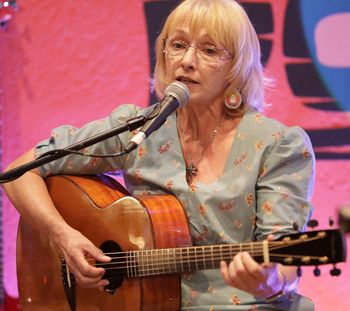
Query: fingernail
[106,283]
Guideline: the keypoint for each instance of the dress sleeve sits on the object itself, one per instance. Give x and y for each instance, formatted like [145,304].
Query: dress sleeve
[67,135]
[285,185]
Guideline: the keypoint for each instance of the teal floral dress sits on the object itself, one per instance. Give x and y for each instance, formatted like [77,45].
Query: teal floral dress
[265,188]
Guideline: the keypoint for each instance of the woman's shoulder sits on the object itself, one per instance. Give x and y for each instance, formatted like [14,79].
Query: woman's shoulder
[260,121]
[126,112]
[258,125]
[130,110]
[257,121]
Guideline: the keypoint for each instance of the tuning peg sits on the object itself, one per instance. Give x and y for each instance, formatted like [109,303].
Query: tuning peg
[335,271]
[330,221]
[317,271]
[295,226]
[344,218]
[299,272]
[312,223]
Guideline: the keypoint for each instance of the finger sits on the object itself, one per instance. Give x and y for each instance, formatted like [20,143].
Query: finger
[89,282]
[270,237]
[225,274]
[102,284]
[224,271]
[97,254]
[254,270]
[91,252]
[238,271]
[89,276]
[83,268]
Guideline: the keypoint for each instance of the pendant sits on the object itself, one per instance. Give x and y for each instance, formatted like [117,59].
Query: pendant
[192,169]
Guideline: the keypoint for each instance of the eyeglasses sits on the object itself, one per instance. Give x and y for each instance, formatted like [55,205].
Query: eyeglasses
[207,52]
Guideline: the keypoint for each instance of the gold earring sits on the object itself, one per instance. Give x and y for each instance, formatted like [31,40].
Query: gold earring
[233,101]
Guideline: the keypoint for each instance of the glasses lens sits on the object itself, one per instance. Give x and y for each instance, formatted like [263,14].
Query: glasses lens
[176,47]
[207,52]
[210,53]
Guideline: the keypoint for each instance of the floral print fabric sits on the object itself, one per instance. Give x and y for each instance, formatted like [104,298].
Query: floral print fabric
[265,188]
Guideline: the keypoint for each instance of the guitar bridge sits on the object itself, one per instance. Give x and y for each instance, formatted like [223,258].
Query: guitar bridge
[67,277]
[68,284]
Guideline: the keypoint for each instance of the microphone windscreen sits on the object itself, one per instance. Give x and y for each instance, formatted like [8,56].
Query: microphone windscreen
[178,90]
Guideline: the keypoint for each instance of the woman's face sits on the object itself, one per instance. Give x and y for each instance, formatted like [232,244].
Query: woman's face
[196,66]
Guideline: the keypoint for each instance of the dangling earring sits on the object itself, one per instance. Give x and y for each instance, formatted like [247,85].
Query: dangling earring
[233,102]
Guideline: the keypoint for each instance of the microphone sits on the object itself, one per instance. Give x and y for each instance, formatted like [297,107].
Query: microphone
[176,94]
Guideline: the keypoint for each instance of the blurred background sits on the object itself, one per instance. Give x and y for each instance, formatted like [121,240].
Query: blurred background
[68,62]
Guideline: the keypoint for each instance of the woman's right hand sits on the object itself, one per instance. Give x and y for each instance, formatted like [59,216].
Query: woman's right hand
[80,254]
[31,198]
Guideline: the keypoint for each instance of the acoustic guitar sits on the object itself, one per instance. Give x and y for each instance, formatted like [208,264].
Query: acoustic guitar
[149,241]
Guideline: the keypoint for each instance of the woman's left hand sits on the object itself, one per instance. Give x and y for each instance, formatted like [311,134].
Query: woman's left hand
[244,273]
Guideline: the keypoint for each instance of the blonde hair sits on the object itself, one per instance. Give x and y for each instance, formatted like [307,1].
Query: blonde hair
[227,24]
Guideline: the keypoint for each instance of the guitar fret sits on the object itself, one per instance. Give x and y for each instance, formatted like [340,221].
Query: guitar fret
[154,266]
[203,258]
[127,264]
[212,256]
[170,262]
[161,260]
[181,260]
[145,261]
[175,263]
[188,259]
[147,265]
[166,262]
[135,264]
[132,264]
[141,261]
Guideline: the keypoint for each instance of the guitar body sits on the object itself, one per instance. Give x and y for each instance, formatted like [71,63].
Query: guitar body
[102,210]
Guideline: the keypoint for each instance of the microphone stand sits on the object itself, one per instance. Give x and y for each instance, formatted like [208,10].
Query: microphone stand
[129,125]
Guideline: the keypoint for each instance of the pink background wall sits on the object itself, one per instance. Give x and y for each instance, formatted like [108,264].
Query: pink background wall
[74,61]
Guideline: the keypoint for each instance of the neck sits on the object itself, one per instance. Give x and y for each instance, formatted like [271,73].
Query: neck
[195,120]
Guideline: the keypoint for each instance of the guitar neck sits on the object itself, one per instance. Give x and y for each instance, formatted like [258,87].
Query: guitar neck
[298,249]
[143,263]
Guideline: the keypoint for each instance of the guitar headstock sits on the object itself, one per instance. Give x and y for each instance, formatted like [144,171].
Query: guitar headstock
[311,248]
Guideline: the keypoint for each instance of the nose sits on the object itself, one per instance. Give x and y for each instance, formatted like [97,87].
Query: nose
[189,59]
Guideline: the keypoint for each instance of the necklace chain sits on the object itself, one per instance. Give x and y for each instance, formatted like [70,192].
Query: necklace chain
[191,164]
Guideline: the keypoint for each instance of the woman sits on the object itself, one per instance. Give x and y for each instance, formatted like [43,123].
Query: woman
[239,175]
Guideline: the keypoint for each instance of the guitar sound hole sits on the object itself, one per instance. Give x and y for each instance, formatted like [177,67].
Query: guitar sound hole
[116,269]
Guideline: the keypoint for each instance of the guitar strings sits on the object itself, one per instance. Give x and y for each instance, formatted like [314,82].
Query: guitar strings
[197,250]
[160,261]
[162,270]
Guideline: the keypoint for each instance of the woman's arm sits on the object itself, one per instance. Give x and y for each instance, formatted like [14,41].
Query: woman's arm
[263,281]
[30,196]
[284,190]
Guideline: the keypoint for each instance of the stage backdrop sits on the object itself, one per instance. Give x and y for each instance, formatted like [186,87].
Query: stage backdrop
[73,61]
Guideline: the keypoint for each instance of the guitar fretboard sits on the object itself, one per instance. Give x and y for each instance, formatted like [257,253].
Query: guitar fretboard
[183,260]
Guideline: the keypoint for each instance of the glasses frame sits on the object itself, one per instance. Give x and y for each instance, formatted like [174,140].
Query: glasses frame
[195,46]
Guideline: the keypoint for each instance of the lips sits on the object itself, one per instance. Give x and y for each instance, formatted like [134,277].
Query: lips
[185,80]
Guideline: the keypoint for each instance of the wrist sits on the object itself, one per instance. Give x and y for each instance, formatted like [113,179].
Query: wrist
[282,279]
[59,232]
